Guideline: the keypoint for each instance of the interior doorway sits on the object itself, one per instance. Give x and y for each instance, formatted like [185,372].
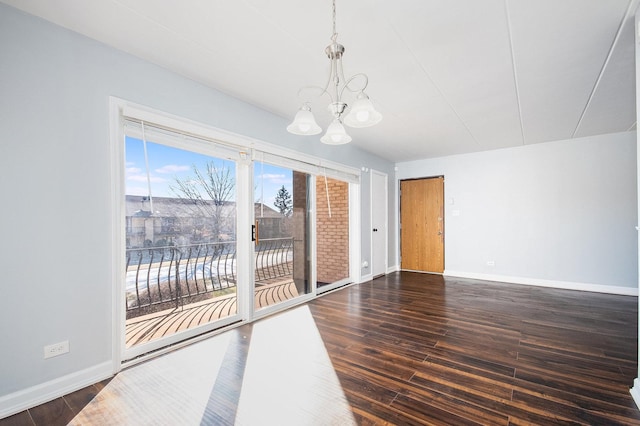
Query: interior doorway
[422,224]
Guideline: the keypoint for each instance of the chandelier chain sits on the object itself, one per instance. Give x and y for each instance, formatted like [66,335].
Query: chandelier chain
[334,22]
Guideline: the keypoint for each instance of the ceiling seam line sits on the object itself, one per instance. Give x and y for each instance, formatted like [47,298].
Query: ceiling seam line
[514,69]
[274,23]
[415,58]
[164,27]
[626,16]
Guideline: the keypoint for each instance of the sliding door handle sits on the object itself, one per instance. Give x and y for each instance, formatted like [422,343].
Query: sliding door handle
[255,232]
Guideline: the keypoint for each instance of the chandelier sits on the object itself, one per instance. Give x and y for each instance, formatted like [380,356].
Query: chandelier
[361,113]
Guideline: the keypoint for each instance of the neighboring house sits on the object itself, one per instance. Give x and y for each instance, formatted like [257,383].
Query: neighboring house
[177,221]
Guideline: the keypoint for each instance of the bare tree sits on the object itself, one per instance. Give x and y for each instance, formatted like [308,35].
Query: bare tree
[209,194]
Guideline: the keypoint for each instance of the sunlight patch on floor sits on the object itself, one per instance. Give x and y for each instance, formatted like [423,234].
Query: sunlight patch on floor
[289,378]
[286,374]
[169,390]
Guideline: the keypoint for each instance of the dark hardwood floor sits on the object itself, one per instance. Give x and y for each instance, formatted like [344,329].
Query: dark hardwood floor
[60,411]
[413,348]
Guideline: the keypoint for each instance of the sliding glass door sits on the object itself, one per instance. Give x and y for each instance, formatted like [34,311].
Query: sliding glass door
[282,235]
[218,230]
[181,264]
[332,233]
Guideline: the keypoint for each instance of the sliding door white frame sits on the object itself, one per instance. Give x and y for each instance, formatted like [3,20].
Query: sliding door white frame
[245,148]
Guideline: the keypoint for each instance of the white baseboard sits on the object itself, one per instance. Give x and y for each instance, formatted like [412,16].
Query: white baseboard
[635,391]
[369,277]
[365,278]
[566,285]
[19,401]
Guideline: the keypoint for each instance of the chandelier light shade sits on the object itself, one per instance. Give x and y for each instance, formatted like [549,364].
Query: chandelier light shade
[361,113]
[336,134]
[304,123]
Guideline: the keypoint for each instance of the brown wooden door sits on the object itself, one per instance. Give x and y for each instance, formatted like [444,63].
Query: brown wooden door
[422,224]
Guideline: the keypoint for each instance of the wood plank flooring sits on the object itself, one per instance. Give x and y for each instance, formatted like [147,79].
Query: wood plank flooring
[405,349]
[421,349]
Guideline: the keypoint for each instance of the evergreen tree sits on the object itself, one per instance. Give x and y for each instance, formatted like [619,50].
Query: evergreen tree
[283,202]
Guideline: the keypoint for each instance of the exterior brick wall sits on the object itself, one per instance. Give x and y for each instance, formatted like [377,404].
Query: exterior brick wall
[299,232]
[332,232]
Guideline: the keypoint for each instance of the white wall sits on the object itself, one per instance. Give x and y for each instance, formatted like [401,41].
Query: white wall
[559,213]
[635,391]
[55,264]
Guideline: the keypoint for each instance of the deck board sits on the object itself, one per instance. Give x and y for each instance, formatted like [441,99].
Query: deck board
[146,328]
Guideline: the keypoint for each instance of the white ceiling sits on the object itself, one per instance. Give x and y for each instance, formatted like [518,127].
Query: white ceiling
[449,76]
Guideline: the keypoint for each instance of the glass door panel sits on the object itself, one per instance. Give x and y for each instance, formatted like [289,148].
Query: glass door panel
[282,251]
[180,215]
[332,233]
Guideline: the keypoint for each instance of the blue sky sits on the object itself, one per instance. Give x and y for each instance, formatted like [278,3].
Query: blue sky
[167,163]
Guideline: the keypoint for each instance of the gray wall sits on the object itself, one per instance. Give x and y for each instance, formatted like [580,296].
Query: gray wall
[562,211]
[636,384]
[54,162]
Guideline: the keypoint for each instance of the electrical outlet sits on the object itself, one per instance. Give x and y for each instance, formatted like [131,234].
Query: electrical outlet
[56,349]
[491,263]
